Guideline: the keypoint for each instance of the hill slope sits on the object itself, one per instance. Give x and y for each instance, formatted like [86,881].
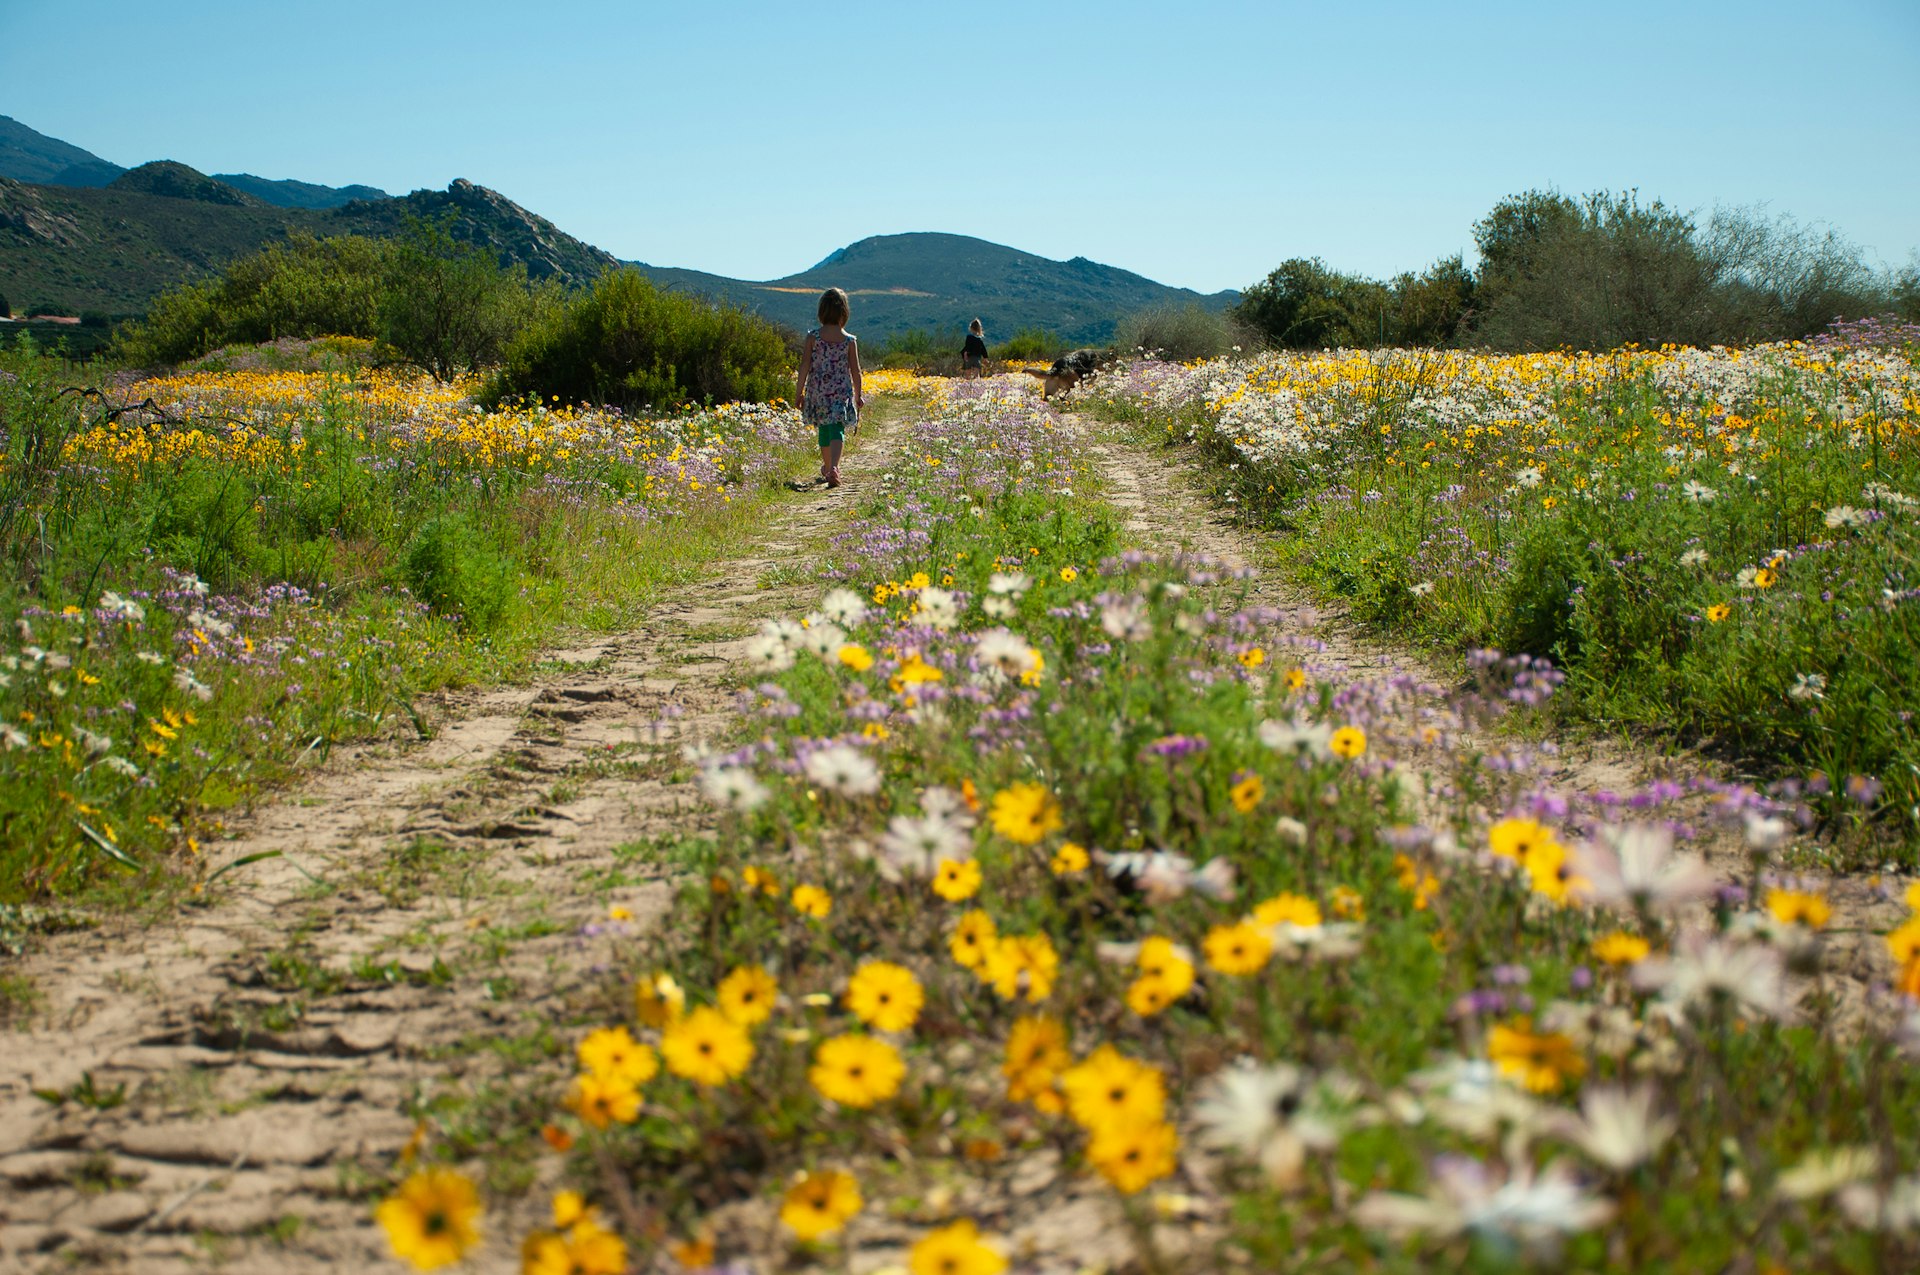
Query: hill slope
[940,281]
[27,156]
[287,193]
[176,181]
[117,247]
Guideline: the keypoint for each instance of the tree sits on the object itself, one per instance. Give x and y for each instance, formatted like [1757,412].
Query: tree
[1433,304]
[1510,238]
[448,307]
[1307,305]
[1606,272]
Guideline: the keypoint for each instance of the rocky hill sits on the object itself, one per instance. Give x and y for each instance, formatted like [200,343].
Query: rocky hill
[940,281]
[114,248]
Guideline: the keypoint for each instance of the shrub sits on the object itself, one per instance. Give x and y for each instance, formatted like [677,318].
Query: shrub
[626,342]
[451,567]
[1029,345]
[1181,333]
[305,287]
[1307,305]
[447,307]
[920,349]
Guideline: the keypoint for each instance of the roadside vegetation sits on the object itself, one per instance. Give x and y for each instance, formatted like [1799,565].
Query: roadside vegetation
[1714,546]
[215,573]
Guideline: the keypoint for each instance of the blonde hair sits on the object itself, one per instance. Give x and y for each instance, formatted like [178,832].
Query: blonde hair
[975,326]
[834,307]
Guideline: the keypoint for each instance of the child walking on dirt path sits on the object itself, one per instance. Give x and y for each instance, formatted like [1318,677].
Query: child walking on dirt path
[831,394]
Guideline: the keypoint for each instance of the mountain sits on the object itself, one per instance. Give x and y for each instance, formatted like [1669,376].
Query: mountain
[293,194]
[940,281]
[176,181]
[27,156]
[115,248]
[80,233]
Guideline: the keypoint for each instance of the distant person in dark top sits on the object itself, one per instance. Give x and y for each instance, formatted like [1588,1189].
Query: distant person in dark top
[973,351]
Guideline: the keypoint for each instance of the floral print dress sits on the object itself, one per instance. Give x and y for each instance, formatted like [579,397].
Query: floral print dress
[830,383]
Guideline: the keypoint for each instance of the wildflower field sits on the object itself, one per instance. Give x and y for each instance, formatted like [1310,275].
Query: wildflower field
[1721,546]
[215,575]
[1059,910]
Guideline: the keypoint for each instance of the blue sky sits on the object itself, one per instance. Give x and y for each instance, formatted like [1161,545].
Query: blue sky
[1197,143]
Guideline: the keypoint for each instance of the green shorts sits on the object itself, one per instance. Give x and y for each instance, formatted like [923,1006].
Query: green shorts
[831,432]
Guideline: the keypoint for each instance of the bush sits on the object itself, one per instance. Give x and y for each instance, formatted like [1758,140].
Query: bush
[451,567]
[447,307]
[305,287]
[1029,345]
[1181,333]
[1307,305]
[626,342]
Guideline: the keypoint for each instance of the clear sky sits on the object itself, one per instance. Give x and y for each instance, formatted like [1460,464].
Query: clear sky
[1198,143]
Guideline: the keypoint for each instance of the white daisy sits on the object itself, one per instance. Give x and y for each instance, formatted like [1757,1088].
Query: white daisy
[843,769]
[185,682]
[1694,558]
[1528,477]
[125,608]
[1845,516]
[1005,653]
[769,654]
[1705,969]
[786,632]
[733,787]
[93,743]
[1618,1128]
[1533,1208]
[1127,620]
[1637,867]
[1699,493]
[916,843]
[1293,735]
[1009,583]
[1274,1115]
[944,803]
[938,608]
[843,607]
[824,639]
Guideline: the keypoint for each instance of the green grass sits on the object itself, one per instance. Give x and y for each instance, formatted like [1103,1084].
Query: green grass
[284,592]
[1769,621]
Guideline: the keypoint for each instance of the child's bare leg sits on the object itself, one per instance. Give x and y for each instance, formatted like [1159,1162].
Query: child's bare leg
[831,456]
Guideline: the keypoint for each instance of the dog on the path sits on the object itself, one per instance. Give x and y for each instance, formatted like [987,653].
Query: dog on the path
[1068,371]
